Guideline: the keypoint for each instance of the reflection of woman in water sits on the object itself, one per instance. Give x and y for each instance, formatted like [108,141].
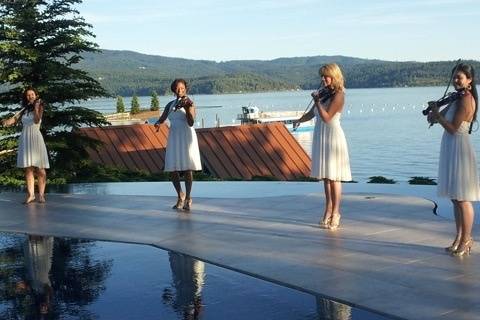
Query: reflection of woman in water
[188,276]
[38,262]
[331,310]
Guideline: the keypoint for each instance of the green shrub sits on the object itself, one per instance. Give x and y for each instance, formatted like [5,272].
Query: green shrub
[422,181]
[381,179]
[264,178]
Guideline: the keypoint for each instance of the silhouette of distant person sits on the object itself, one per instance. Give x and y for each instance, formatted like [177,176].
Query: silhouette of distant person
[188,276]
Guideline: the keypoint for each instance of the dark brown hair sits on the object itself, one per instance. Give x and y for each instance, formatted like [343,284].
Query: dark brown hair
[470,74]
[175,82]
[24,96]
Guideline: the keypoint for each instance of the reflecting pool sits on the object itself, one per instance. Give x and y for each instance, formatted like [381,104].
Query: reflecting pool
[43,277]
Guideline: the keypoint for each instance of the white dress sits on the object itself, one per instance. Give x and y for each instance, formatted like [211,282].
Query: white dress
[329,150]
[32,151]
[38,258]
[182,145]
[457,169]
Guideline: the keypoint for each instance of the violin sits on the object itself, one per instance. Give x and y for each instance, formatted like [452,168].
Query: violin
[324,94]
[183,102]
[449,98]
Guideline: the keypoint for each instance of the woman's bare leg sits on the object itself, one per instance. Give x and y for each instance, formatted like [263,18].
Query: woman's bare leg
[188,183]
[466,215]
[42,183]
[327,214]
[30,182]
[336,187]
[175,176]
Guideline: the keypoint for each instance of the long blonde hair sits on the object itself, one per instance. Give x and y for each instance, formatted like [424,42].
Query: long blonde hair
[333,71]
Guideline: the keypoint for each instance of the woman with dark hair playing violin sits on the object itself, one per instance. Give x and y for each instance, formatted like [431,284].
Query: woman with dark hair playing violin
[32,153]
[457,171]
[182,154]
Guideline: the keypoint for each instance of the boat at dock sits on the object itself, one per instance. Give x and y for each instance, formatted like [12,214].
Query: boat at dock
[253,115]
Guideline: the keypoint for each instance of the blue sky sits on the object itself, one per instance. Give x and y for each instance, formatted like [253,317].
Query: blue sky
[221,30]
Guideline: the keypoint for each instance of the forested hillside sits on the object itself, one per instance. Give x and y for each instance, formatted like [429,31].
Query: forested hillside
[127,72]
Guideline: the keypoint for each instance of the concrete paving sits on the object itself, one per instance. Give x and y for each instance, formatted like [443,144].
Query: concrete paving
[258,189]
[387,256]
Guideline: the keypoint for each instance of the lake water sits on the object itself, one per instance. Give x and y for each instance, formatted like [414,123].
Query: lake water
[385,129]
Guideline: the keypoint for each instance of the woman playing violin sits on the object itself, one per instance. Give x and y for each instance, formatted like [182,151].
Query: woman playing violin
[182,153]
[330,160]
[457,172]
[32,153]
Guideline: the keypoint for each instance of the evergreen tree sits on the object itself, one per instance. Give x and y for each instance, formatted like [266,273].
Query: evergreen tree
[41,41]
[155,103]
[120,104]
[135,105]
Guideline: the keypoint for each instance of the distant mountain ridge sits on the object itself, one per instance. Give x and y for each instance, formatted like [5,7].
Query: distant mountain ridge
[128,72]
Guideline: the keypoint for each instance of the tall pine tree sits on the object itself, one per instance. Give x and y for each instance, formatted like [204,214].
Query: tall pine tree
[154,103]
[135,108]
[41,41]
[120,104]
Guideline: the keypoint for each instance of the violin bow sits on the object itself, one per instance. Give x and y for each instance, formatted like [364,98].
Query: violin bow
[448,84]
[451,77]
[308,108]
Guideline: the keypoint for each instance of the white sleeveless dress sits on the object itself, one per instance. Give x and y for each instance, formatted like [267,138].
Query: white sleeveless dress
[32,151]
[329,150]
[38,252]
[182,145]
[457,169]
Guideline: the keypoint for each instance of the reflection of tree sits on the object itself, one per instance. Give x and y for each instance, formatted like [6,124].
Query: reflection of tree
[32,277]
[331,310]
[188,276]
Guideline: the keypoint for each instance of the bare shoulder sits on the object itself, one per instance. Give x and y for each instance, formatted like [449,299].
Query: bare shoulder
[466,102]
[339,97]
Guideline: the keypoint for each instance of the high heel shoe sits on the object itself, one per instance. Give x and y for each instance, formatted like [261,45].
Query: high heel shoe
[334,222]
[325,222]
[188,204]
[454,246]
[464,249]
[180,202]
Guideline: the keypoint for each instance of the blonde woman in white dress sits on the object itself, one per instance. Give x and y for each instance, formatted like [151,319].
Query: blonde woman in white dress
[330,160]
[32,152]
[182,152]
[457,170]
